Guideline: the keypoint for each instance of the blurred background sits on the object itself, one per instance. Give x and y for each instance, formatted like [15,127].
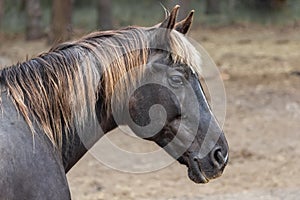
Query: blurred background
[256,47]
[62,19]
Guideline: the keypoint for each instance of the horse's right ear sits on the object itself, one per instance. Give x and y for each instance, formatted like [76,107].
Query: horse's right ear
[185,25]
[170,21]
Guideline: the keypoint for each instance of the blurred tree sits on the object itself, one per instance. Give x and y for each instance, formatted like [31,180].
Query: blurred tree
[105,14]
[231,5]
[271,3]
[185,7]
[212,6]
[61,21]
[265,4]
[34,20]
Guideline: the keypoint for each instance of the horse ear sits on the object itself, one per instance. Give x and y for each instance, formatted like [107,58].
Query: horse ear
[169,22]
[185,25]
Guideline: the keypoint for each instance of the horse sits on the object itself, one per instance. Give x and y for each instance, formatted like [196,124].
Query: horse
[56,106]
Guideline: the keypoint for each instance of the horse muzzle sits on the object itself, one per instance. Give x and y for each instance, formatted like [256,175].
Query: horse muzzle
[202,170]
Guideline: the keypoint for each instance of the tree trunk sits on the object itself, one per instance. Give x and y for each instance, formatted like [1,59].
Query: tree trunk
[34,20]
[185,7]
[273,4]
[212,7]
[61,21]
[279,3]
[105,14]
[231,5]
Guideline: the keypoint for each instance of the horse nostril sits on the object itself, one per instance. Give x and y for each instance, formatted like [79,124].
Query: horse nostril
[217,157]
[195,159]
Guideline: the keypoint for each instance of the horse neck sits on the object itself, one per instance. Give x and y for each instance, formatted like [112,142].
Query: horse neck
[97,123]
[75,145]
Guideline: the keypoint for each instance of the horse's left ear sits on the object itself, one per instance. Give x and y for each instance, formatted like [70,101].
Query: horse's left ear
[170,21]
[185,25]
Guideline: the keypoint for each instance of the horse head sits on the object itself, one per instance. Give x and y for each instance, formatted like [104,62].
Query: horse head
[168,106]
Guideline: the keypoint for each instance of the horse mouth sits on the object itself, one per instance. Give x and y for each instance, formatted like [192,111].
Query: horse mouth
[197,176]
[195,173]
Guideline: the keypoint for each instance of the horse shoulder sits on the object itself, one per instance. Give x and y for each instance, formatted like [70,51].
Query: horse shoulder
[30,167]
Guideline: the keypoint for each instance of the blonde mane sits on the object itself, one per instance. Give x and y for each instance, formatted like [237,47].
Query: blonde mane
[58,90]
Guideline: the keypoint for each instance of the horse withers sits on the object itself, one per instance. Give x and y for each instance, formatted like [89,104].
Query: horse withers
[56,106]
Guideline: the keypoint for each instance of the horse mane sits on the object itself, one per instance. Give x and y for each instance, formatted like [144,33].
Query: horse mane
[57,90]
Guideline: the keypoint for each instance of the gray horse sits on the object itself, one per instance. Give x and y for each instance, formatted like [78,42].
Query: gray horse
[56,106]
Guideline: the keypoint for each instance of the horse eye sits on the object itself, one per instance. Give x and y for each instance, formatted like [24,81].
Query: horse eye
[178,80]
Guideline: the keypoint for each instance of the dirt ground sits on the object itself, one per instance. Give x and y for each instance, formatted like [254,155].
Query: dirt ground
[261,71]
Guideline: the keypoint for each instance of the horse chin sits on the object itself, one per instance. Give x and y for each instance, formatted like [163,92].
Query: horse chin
[194,171]
[197,176]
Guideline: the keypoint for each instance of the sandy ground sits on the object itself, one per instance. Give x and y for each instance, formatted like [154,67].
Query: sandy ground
[261,71]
